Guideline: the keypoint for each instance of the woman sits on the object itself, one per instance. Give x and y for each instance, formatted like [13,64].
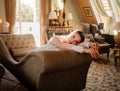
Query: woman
[75,41]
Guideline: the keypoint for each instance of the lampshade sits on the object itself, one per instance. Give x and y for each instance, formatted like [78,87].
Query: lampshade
[116,27]
[69,16]
[52,15]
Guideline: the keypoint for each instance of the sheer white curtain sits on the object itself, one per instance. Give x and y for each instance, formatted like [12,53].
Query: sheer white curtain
[117,2]
[105,18]
[116,9]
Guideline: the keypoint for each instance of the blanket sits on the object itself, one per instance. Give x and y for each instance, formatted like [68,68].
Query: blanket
[47,47]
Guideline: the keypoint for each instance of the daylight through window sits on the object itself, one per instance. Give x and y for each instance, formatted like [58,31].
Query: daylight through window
[28,18]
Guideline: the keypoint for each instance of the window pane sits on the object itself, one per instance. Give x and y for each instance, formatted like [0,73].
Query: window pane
[27,18]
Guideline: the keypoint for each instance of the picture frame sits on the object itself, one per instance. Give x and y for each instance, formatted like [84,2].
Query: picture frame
[87,11]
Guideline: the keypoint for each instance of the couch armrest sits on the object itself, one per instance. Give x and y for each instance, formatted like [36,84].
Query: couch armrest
[36,64]
[4,53]
[57,60]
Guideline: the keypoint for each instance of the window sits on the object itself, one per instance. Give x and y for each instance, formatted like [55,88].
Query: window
[107,8]
[27,18]
[103,13]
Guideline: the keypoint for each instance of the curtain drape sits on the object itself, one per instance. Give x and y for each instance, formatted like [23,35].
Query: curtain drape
[10,11]
[115,9]
[45,10]
[98,5]
[117,2]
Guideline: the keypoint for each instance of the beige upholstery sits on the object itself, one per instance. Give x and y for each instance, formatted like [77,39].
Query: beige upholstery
[48,70]
[16,41]
[17,46]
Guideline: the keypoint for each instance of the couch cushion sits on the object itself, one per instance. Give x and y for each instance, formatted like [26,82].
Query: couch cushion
[20,52]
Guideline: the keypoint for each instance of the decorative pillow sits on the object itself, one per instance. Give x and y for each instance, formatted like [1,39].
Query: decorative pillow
[20,52]
[89,37]
[2,71]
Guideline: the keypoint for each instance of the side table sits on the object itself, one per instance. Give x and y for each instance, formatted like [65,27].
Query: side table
[116,56]
[100,40]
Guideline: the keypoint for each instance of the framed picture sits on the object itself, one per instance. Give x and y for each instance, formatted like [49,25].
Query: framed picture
[87,11]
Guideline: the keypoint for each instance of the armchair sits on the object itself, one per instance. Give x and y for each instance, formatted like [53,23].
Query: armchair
[45,70]
[90,30]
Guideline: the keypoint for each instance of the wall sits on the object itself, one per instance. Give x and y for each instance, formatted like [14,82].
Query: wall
[85,3]
[2,10]
[77,15]
[76,7]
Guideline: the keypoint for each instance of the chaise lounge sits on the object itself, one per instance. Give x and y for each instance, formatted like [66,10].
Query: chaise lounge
[43,70]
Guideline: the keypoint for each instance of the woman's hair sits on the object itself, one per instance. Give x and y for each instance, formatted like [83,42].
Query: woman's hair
[81,35]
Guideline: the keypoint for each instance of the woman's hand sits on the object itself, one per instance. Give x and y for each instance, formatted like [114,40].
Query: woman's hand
[94,45]
[93,52]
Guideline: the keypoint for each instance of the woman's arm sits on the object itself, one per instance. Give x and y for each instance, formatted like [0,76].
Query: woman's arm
[58,42]
[90,44]
[55,41]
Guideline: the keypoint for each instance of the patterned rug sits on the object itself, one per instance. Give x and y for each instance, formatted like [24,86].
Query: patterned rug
[103,76]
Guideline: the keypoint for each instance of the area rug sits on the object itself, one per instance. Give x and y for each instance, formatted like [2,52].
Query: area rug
[103,77]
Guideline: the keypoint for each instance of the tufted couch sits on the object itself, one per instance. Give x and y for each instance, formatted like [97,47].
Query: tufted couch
[47,70]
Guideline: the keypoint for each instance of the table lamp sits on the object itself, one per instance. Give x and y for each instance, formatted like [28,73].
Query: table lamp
[52,17]
[116,29]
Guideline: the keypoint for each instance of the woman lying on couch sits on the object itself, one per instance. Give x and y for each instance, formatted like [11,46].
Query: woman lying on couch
[75,41]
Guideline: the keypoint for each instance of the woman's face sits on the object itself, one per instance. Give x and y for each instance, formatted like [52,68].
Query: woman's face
[74,38]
